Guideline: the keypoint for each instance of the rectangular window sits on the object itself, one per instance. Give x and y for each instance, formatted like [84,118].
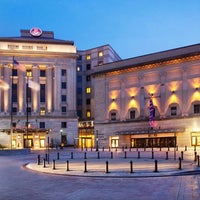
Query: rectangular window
[42,73]
[63,124]
[14,93]
[88,78]
[63,85]
[173,111]
[29,110]
[196,108]
[42,111]
[88,90]
[88,113]
[100,53]
[113,116]
[42,124]
[14,72]
[29,72]
[63,98]
[88,66]
[63,72]
[42,93]
[88,101]
[132,114]
[14,110]
[64,109]
[88,57]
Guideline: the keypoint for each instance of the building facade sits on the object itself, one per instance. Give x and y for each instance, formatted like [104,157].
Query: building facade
[149,101]
[87,61]
[38,106]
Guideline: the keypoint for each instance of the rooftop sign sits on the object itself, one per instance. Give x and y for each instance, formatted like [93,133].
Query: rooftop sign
[36,32]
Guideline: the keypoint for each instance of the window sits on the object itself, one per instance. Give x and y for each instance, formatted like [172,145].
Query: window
[63,98]
[29,94]
[173,111]
[132,114]
[196,108]
[29,72]
[79,90]
[42,73]
[14,110]
[113,116]
[63,109]
[63,72]
[79,79]
[88,113]
[29,110]
[14,93]
[42,93]
[88,90]
[100,53]
[88,66]
[87,78]
[14,72]
[63,85]
[88,101]
[88,57]
[42,124]
[42,111]
[63,124]
[80,57]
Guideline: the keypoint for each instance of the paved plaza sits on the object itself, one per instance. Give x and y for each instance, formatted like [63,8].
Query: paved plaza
[22,178]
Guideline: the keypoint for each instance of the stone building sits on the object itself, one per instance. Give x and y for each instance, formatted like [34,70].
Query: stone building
[34,118]
[166,83]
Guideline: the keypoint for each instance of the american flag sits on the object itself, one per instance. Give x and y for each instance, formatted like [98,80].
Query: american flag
[19,66]
[151,113]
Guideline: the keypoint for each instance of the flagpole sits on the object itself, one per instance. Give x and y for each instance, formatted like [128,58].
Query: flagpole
[27,79]
[11,111]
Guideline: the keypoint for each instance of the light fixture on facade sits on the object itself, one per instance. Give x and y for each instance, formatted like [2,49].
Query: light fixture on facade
[132,97]
[113,99]
[196,88]
[173,91]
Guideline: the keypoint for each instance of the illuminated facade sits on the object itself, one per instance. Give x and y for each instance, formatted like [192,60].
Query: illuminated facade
[30,117]
[87,61]
[122,92]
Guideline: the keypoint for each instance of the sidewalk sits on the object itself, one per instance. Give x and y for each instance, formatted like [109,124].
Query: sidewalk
[118,163]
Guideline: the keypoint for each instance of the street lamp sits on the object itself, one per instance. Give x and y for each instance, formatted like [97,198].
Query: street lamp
[97,141]
[61,144]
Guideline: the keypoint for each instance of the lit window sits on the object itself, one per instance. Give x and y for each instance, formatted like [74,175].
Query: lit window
[29,72]
[42,111]
[88,90]
[88,57]
[100,53]
[173,111]
[88,114]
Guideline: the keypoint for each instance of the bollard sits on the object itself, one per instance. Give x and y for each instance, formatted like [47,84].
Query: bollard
[138,154]
[38,159]
[160,148]
[129,148]
[168,148]
[195,156]
[151,148]
[58,156]
[144,148]
[195,148]
[44,164]
[181,155]
[198,161]
[103,149]
[152,155]
[85,166]
[116,149]
[91,149]
[131,166]
[124,154]
[123,148]
[156,166]
[167,155]
[107,171]
[72,155]
[179,164]
[185,148]
[85,155]
[98,154]
[176,148]
[67,165]
[111,155]
[53,165]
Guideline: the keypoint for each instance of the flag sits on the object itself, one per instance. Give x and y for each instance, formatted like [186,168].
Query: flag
[33,85]
[151,113]
[19,65]
[4,85]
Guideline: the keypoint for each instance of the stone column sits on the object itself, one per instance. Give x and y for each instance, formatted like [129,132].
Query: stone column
[7,79]
[142,96]
[122,100]
[35,93]
[163,108]
[21,92]
[184,92]
[49,86]
[57,88]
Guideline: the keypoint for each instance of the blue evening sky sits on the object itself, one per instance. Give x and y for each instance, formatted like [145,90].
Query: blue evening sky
[131,27]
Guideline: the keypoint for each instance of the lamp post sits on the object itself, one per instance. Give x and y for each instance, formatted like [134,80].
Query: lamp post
[97,141]
[61,143]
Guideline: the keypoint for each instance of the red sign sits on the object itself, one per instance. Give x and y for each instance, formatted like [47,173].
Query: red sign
[36,32]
